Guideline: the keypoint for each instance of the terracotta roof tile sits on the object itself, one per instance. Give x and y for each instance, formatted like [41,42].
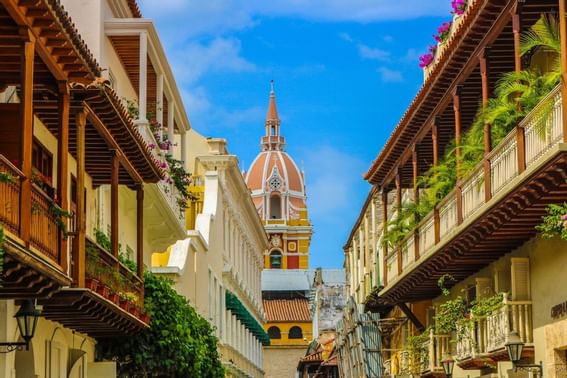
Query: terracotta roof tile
[287,310]
[134,8]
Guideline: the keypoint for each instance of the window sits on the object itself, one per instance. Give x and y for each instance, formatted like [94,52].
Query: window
[295,333]
[275,207]
[274,333]
[275,260]
[42,163]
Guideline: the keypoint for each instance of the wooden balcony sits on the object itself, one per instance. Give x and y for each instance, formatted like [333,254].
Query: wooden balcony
[527,172]
[485,341]
[110,303]
[31,269]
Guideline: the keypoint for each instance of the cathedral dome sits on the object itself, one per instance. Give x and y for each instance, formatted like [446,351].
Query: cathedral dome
[274,175]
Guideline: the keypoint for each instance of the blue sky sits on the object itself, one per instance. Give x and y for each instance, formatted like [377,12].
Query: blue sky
[344,71]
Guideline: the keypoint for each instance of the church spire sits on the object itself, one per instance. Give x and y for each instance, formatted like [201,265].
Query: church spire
[272,109]
[272,140]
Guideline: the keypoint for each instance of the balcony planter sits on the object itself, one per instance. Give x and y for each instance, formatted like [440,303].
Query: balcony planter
[124,304]
[145,318]
[134,310]
[103,290]
[91,284]
[114,298]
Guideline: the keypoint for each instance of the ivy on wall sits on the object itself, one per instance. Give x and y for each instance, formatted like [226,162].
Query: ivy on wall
[179,342]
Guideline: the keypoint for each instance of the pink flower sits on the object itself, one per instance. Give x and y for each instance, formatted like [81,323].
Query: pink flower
[425,60]
[459,7]
[564,217]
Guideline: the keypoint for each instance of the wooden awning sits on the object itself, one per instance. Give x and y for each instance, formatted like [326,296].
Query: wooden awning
[88,312]
[118,133]
[59,44]
[487,23]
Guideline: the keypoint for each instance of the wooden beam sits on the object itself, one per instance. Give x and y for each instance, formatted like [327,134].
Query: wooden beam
[112,143]
[563,38]
[114,205]
[415,166]
[517,30]
[26,118]
[63,166]
[399,209]
[140,229]
[385,230]
[487,131]
[435,142]
[411,316]
[79,255]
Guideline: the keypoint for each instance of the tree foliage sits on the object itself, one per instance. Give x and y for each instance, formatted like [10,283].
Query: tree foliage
[179,342]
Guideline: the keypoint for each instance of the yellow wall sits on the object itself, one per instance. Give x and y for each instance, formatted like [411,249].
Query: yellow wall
[306,328]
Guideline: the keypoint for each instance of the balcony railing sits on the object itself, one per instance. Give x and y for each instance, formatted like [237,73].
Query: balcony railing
[44,232]
[437,346]
[538,138]
[10,195]
[112,277]
[488,334]
[167,188]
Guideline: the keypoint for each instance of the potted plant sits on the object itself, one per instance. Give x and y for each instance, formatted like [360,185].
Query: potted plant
[145,318]
[91,283]
[103,290]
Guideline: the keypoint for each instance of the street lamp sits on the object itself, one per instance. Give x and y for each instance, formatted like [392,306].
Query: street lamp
[26,317]
[448,364]
[515,346]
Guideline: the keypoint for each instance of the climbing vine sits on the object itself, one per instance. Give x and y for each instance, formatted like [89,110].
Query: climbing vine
[417,350]
[179,342]
[554,224]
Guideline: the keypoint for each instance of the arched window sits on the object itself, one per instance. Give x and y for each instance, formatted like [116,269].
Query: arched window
[295,333]
[275,260]
[274,333]
[275,206]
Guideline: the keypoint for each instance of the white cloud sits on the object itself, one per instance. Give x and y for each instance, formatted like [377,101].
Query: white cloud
[331,176]
[346,37]
[220,55]
[390,76]
[219,16]
[372,53]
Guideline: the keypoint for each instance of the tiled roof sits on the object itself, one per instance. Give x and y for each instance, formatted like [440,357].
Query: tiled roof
[134,8]
[287,310]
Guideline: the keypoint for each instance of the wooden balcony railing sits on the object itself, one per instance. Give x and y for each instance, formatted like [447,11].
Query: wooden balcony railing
[44,232]
[538,137]
[488,334]
[10,195]
[111,276]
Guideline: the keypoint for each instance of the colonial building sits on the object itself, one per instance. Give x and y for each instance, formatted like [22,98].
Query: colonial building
[82,180]
[217,266]
[467,275]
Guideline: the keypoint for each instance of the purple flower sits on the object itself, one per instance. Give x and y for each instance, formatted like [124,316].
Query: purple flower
[459,7]
[425,60]
[151,146]
[564,217]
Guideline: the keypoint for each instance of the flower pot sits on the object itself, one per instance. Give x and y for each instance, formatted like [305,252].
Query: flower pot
[134,310]
[113,297]
[91,284]
[103,290]
[124,304]
[145,318]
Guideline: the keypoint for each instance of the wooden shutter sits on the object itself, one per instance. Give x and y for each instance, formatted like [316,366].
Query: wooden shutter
[484,287]
[502,280]
[520,279]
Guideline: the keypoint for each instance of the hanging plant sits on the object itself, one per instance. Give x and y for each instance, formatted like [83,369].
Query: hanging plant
[459,7]
[443,32]
[485,306]
[181,179]
[555,222]
[178,343]
[59,216]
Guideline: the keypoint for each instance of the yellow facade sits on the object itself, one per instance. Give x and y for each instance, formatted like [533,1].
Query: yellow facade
[284,327]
